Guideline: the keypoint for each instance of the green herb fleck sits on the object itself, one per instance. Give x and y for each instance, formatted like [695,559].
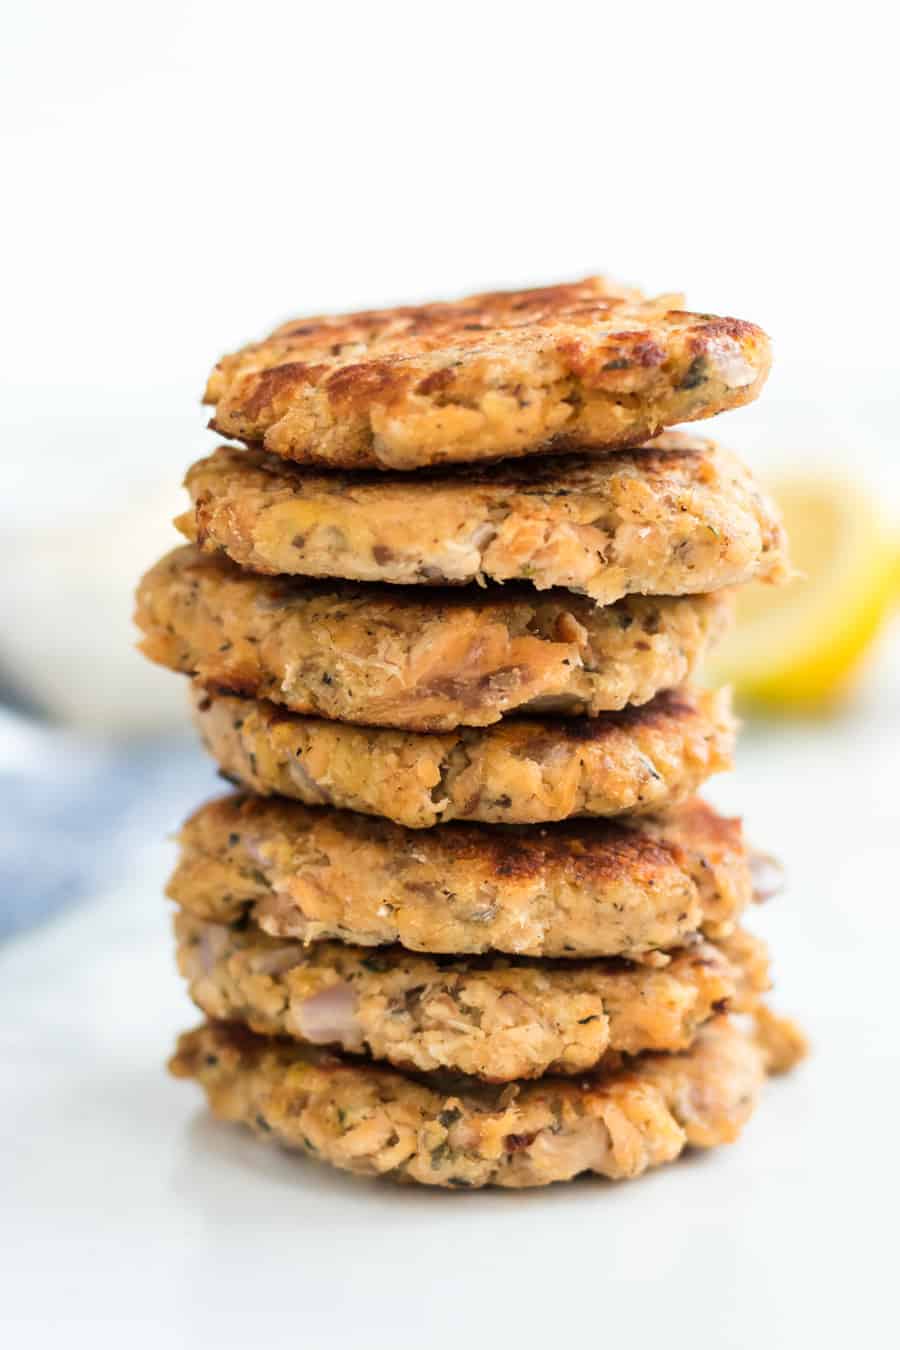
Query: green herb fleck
[438,1155]
[696,373]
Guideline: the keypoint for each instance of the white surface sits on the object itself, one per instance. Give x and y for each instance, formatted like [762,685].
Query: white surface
[127,1213]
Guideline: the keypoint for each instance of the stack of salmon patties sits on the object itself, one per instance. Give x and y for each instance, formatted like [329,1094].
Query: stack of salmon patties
[465,920]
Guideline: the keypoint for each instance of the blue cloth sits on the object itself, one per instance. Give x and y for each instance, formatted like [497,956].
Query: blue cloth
[73,812]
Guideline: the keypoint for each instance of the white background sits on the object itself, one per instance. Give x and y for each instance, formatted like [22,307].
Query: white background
[179,177]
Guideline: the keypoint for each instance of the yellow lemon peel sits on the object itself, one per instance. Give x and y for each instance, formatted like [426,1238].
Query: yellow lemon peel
[802,645]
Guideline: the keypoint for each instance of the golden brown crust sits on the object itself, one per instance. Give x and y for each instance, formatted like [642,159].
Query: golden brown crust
[585,888]
[516,772]
[394,657]
[449,1132]
[490,376]
[783,1043]
[678,518]
[495,1018]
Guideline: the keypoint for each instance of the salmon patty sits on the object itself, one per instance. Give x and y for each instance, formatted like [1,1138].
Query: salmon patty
[517,771]
[677,518]
[495,1018]
[574,889]
[391,656]
[441,1130]
[487,377]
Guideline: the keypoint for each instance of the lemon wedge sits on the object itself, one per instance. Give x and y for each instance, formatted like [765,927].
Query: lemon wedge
[801,645]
